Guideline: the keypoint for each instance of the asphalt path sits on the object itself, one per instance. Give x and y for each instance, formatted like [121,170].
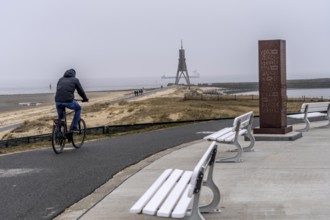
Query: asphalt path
[39,184]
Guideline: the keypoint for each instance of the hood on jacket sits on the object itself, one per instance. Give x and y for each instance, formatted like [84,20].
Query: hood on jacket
[70,73]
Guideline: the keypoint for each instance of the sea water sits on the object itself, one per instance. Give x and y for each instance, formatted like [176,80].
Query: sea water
[104,84]
[109,84]
[299,93]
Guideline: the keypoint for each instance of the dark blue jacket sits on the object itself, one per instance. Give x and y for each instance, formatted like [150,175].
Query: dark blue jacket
[66,87]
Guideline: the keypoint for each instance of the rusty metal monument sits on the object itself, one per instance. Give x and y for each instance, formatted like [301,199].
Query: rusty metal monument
[272,88]
[182,68]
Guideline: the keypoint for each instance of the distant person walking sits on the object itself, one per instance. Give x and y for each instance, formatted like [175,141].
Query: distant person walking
[66,87]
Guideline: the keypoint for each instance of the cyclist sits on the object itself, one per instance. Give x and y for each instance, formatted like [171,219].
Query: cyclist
[66,87]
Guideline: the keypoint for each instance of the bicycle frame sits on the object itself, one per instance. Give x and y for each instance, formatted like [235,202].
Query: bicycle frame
[61,133]
[64,121]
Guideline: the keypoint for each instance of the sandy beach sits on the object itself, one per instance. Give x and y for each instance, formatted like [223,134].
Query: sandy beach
[10,103]
[14,109]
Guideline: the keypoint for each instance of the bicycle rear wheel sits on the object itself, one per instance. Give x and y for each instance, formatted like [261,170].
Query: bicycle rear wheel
[58,139]
[78,136]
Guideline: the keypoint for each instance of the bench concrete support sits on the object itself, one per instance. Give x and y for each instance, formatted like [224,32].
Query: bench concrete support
[328,116]
[239,149]
[195,213]
[307,122]
[250,136]
[212,207]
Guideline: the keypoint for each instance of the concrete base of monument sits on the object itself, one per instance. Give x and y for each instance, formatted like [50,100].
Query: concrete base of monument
[283,130]
[291,136]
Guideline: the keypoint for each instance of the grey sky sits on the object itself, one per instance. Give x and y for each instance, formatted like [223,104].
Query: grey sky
[130,38]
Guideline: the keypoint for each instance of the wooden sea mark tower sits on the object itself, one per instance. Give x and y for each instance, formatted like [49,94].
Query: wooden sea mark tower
[182,68]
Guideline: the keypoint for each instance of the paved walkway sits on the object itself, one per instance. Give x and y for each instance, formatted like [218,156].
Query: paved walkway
[280,180]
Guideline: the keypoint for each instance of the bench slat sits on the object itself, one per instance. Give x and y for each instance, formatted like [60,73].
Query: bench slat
[182,206]
[309,115]
[232,137]
[316,114]
[315,106]
[229,137]
[215,135]
[161,194]
[168,205]
[317,109]
[244,119]
[297,116]
[138,206]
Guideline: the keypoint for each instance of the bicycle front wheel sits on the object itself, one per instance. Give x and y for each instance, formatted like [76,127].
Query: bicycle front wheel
[58,139]
[78,136]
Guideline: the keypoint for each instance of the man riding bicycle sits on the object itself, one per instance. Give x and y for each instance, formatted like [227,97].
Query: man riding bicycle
[66,87]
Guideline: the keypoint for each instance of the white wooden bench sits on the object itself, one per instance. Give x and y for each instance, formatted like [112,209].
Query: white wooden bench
[242,126]
[312,110]
[171,194]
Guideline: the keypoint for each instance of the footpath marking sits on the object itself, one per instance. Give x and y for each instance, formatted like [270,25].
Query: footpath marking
[205,132]
[16,172]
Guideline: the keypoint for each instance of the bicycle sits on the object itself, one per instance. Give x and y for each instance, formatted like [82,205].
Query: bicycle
[61,134]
